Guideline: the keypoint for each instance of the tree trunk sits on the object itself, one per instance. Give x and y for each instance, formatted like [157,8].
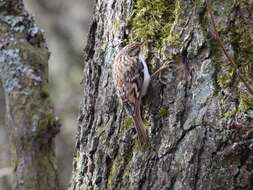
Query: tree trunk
[199,120]
[30,117]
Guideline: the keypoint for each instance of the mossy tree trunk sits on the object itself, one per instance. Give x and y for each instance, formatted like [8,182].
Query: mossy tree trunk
[199,121]
[30,118]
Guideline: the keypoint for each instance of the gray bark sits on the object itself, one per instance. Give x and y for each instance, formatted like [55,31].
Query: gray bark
[30,117]
[200,129]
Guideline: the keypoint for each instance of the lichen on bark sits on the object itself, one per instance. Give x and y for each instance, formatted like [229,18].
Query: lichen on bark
[31,121]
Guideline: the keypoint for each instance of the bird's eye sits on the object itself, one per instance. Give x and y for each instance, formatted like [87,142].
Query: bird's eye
[134,52]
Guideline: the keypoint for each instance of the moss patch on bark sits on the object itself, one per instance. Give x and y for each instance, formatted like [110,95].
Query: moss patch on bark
[154,20]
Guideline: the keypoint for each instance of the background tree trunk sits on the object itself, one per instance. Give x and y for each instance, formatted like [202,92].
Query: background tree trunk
[199,122]
[30,117]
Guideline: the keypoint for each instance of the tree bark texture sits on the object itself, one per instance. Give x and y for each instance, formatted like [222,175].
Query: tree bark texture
[30,117]
[199,121]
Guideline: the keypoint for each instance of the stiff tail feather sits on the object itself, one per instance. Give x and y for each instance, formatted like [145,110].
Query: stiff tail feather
[140,129]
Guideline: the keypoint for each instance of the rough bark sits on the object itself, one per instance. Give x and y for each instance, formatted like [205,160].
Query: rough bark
[199,122]
[30,118]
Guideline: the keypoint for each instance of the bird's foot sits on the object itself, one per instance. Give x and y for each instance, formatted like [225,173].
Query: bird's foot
[158,72]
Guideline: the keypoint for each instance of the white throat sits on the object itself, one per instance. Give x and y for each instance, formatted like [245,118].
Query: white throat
[146,76]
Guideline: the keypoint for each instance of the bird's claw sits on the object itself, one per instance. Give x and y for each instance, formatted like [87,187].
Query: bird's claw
[158,73]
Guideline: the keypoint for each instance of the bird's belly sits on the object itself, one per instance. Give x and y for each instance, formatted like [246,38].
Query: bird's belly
[146,80]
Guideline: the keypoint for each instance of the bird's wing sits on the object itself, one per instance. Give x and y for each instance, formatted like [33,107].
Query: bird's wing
[129,82]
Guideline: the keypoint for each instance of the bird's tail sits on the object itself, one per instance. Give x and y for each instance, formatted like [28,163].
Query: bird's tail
[140,129]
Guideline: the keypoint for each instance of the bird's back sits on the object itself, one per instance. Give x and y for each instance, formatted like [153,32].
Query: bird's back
[128,76]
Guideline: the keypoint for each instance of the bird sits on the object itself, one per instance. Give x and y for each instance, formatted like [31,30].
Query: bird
[131,79]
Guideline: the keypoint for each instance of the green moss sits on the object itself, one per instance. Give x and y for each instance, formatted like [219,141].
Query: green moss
[114,169]
[241,37]
[109,181]
[230,113]
[225,78]
[90,186]
[119,169]
[146,123]
[128,122]
[116,24]
[77,157]
[168,36]
[113,172]
[81,188]
[246,102]
[154,20]
[242,43]
[47,121]
[3,28]
[164,112]
[238,37]
[44,93]
[51,119]
[125,177]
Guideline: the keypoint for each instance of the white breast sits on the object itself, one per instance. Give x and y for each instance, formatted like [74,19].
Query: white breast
[146,76]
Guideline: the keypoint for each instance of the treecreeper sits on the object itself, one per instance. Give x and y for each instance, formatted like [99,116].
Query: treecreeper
[131,79]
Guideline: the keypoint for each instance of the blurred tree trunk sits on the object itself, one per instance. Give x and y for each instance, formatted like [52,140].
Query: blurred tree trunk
[30,118]
[199,121]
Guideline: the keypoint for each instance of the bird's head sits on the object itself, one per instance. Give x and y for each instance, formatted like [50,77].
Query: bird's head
[133,49]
